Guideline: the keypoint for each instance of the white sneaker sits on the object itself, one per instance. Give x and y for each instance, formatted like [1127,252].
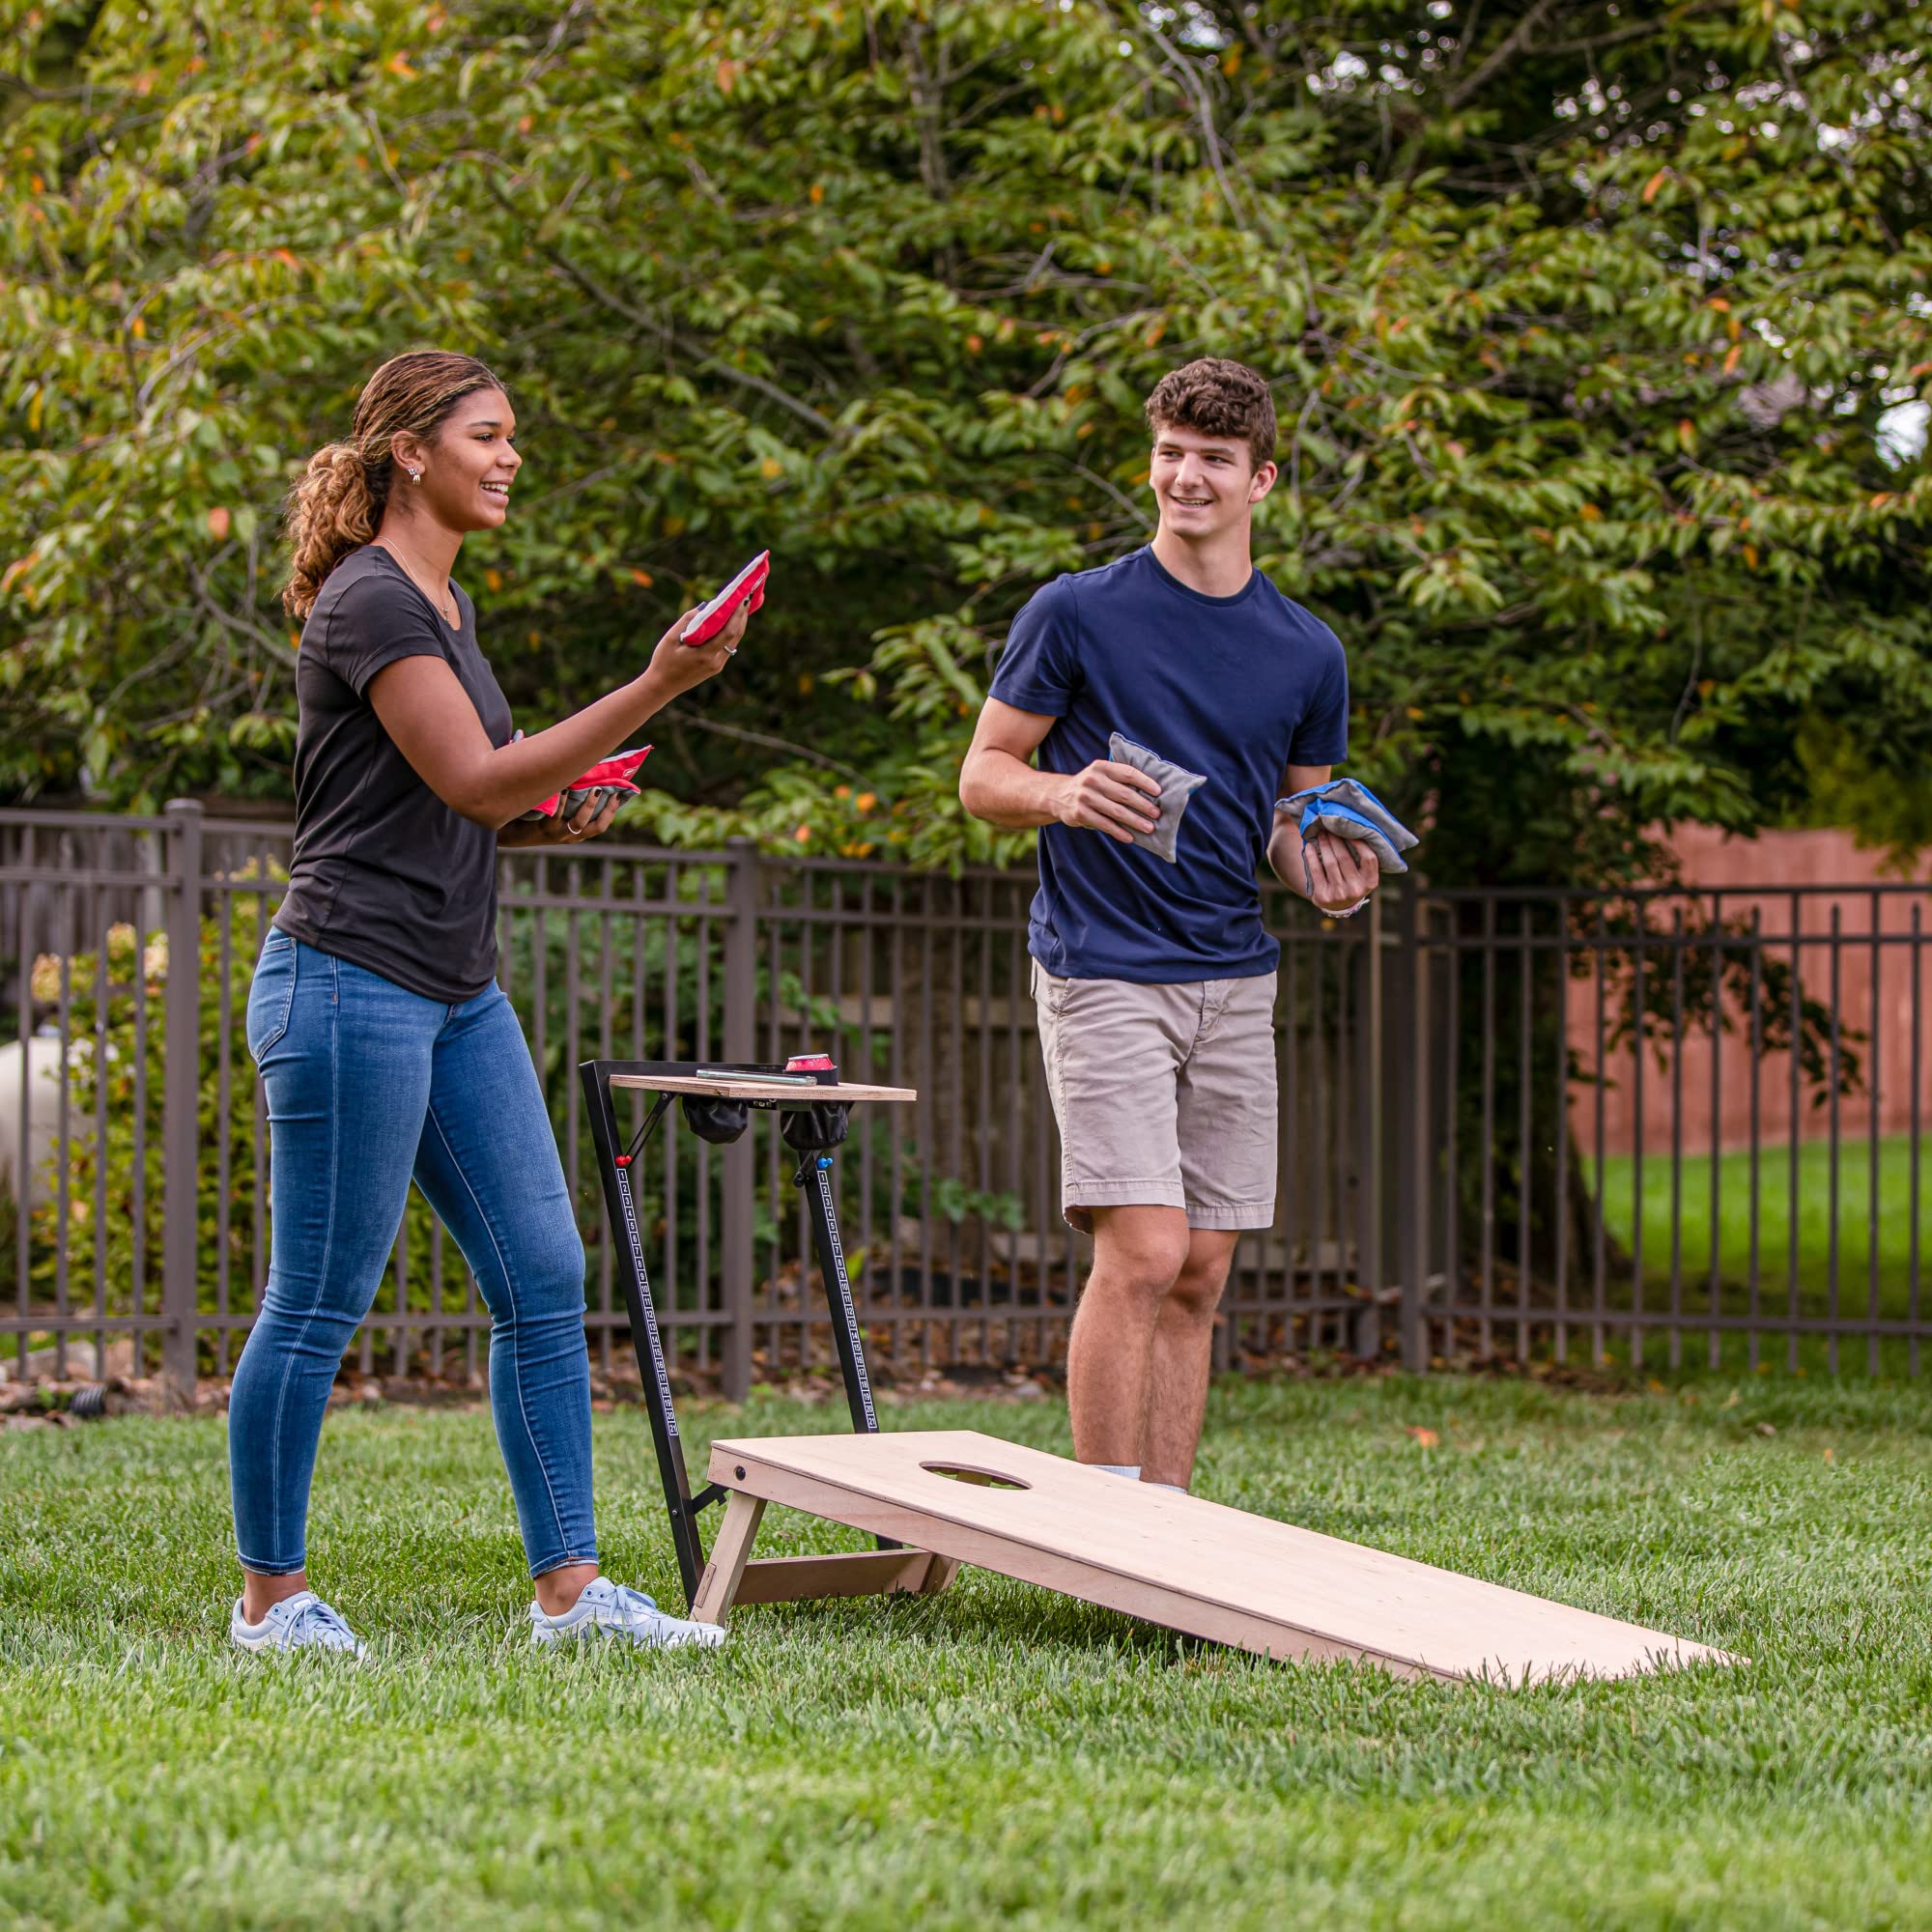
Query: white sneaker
[302,1622]
[610,1609]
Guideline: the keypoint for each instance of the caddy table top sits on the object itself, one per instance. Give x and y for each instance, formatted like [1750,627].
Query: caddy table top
[725,1084]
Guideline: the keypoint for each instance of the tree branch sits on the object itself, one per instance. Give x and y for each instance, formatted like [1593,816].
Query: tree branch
[276,648]
[703,357]
[771,743]
[1127,502]
[58,53]
[927,91]
[1187,74]
[1517,37]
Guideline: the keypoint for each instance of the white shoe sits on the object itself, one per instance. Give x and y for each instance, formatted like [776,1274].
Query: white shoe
[610,1609]
[302,1622]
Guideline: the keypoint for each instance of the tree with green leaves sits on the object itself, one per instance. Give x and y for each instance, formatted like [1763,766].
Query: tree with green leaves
[1600,336]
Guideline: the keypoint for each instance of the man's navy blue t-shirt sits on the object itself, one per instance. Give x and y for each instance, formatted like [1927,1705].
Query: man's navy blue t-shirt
[1238,688]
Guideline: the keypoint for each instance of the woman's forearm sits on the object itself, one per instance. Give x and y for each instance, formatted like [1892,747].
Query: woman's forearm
[514,777]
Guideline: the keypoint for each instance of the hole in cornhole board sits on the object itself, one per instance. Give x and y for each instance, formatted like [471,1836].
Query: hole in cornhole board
[966,1472]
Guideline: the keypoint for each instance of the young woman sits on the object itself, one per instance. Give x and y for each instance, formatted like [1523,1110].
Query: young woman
[386,1047]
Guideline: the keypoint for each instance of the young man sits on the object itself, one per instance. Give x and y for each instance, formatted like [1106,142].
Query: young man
[1155,980]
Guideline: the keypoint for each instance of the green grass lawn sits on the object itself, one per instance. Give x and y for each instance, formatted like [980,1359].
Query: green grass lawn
[1774,1219]
[997,1753]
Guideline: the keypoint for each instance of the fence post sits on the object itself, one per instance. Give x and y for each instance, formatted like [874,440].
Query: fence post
[1412,1119]
[1366,1338]
[181,1128]
[739,1172]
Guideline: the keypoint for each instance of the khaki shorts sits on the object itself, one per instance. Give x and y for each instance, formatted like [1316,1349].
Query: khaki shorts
[1165,1096]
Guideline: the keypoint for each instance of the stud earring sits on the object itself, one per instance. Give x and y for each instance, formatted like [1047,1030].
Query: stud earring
[415,476]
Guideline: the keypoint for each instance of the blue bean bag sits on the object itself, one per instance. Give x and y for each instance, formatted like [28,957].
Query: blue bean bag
[1349,809]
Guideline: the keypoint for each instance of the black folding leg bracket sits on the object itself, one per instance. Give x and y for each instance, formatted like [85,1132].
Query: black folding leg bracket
[812,1129]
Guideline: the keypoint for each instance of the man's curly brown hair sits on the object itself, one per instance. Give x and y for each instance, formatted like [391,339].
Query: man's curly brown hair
[1216,397]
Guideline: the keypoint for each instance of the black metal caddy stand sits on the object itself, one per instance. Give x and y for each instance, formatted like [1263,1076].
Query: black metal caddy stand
[717,1099]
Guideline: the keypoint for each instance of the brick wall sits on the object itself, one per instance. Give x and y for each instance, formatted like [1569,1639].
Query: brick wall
[1892,997]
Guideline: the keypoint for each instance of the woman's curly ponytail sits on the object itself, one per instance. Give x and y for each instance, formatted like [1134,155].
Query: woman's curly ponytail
[337,505]
[332,510]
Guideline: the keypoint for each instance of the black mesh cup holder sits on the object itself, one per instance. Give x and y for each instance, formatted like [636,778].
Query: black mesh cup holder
[718,1120]
[817,1128]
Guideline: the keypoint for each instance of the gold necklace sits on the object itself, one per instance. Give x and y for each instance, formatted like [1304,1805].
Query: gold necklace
[451,617]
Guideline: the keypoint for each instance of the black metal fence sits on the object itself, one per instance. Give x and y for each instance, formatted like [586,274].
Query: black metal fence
[1523,1124]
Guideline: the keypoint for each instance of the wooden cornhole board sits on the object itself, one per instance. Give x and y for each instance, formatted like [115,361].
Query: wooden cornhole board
[1192,1565]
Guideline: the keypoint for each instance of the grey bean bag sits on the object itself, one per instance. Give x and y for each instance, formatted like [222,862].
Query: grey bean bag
[1177,785]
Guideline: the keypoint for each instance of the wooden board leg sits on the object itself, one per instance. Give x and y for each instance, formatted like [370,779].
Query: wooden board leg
[720,1582]
[859,1573]
[939,1574]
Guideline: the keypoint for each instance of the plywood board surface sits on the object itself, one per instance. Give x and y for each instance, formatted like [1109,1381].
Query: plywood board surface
[1187,1563]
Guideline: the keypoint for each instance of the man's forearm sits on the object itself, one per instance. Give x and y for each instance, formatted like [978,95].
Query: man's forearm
[1008,792]
[1284,857]
[1334,875]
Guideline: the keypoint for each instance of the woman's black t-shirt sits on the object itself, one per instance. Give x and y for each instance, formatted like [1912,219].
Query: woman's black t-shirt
[385,874]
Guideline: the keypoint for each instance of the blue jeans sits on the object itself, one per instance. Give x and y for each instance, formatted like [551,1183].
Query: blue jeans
[368,1084]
